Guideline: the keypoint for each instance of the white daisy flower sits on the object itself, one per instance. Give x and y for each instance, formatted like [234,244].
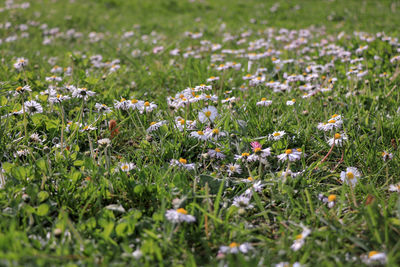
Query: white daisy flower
[155,125]
[350,176]
[242,201]
[20,63]
[394,188]
[179,215]
[233,168]
[374,257]
[386,156]
[276,135]
[338,139]
[183,164]
[199,135]
[126,166]
[83,93]
[32,107]
[235,248]
[291,155]
[58,98]
[21,90]
[216,153]
[264,102]
[208,114]
[300,239]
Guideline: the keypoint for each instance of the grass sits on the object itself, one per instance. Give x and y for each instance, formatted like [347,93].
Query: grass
[68,200]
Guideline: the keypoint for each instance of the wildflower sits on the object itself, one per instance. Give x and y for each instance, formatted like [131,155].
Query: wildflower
[255,187]
[122,104]
[199,135]
[264,102]
[350,176]
[290,102]
[300,239]
[147,107]
[58,98]
[233,168]
[216,153]
[53,79]
[21,90]
[386,155]
[214,133]
[35,138]
[21,153]
[243,157]
[235,248]
[127,167]
[104,142]
[83,93]
[374,257]
[33,107]
[20,63]
[394,187]
[331,199]
[287,264]
[87,128]
[179,215]
[155,125]
[212,79]
[208,114]
[183,164]
[277,135]
[337,139]
[242,201]
[291,154]
[102,108]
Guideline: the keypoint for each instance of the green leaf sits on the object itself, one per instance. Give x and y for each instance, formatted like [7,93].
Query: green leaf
[42,210]
[42,165]
[43,196]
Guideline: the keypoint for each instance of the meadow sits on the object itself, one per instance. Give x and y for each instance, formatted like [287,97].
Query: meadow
[199,133]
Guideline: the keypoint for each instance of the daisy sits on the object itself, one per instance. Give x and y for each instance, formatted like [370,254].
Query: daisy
[208,114]
[338,139]
[331,199]
[21,90]
[374,257]
[202,87]
[256,187]
[102,108]
[155,125]
[147,107]
[233,168]
[181,124]
[33,107]
[350,176]
[235,248]
[58,98]
[83,93]
[242,201]
[183,164]
[122,104]
[216,153]
[126,167]
[20,63]
[53,79]
[104,142]
[287,264]
[394,187]
[264,102]
[290,102]
[179,215]
[243,157]
[277,135]
[291,154]
[214,133]
[386,156]
[87,128]
[300,239]
[199,135]
[212,79]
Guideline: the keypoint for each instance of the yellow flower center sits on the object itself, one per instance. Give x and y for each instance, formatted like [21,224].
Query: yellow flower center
[124,167]
[245,154]
[300,236]
[146,104]
[276,134]
[207,113]
[293,100]
[183,161]
[86,127]
[288,151]
[372,253]
[337,135]
[215,131]
[212,77]
[200,133]
[152,123]
[334,116]
[217,150]
[134,101]
[233,245]
[19,88]
[182,211]
[263,99]
[331,198]
[182,121]
[299,150]
[232,168]
[332,121]
[208,96]
[257,149]
[250,178]
[350,175]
